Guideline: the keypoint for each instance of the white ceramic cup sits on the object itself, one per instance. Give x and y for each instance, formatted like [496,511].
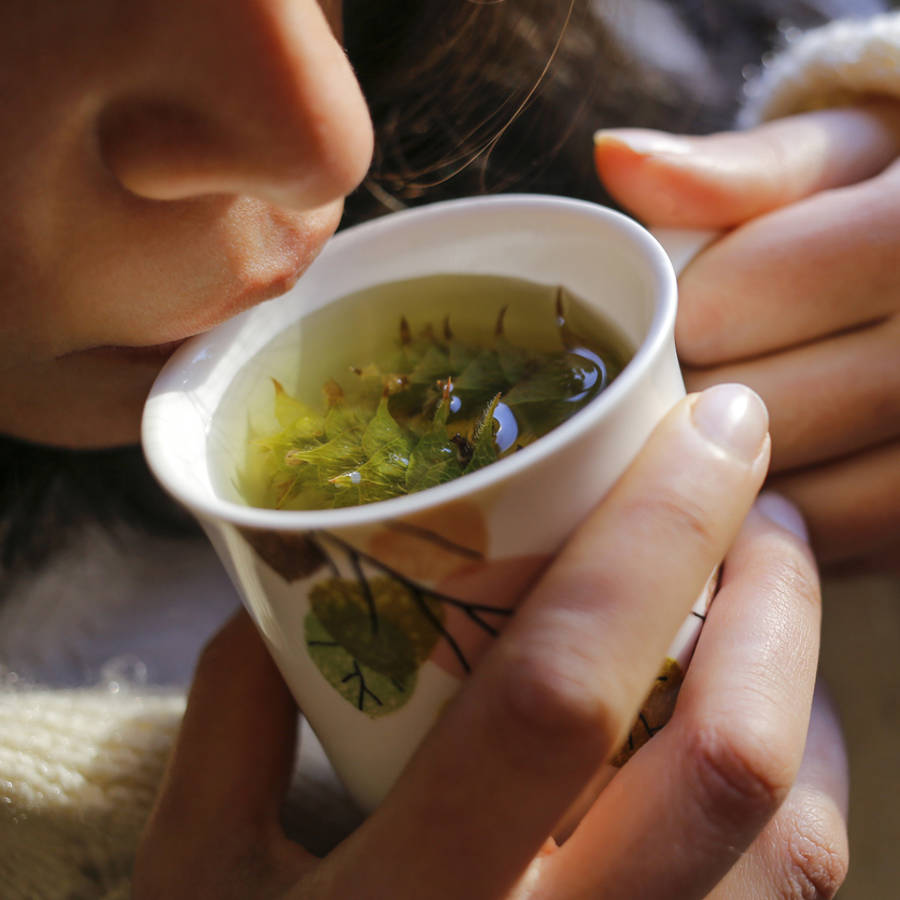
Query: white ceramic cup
[470,546]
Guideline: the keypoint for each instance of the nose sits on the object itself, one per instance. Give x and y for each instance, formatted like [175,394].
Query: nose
[245,97]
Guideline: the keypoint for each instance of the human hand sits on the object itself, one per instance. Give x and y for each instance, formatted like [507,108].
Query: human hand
[473,813]
[800,300]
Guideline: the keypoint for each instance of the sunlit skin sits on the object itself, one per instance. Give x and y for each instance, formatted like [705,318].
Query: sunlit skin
[164,166]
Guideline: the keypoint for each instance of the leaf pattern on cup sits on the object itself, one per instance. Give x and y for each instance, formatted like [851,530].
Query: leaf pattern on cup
[292,556]
[411,595]
[370,691]
[656,711]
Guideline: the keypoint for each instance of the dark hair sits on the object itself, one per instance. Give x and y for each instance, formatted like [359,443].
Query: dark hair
[467,96]
[48,493]
[482,96]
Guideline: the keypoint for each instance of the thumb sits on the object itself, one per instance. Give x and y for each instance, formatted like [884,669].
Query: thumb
[722,180]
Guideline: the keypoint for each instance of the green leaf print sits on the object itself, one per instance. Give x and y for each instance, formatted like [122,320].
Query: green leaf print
[371,692]
[384,624]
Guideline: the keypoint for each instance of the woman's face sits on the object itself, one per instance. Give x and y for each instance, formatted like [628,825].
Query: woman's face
[164,165]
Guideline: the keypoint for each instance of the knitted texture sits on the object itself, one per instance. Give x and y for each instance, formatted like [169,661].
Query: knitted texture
[829,66]
[78,773]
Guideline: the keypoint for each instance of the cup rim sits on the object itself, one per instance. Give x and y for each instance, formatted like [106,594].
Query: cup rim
[169,385]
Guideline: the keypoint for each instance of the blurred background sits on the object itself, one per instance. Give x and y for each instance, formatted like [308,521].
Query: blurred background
[861,665]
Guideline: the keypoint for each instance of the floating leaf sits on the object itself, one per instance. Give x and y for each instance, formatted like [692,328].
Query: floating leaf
[558,378]
[383,436]
[343,419]
[391,428]
[516,363]
[433,366]
[434,459]
[342,453]
[484,448]
[482,376]
[459,355]
[297,419]
[561,385]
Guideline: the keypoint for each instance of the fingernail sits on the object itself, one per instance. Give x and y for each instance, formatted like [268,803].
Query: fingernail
[782,512]
[734,418]
[643,141]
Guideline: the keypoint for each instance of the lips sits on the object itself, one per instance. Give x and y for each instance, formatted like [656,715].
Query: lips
[155,353]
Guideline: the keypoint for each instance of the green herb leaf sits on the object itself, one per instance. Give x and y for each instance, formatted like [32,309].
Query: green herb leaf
[516,363]
[298,420]
[387,446]
[484,447]
[562,384]
[433,366]
[434,459]
[483,376]
[386,430]
[344,452]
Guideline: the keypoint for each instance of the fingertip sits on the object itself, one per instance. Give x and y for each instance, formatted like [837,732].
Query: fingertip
[670,180]
[638,143]
[615,161]
[702,181]
[734,418]
[620,160]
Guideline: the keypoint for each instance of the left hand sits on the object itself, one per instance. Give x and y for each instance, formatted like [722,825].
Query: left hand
[800,299]
[523,742]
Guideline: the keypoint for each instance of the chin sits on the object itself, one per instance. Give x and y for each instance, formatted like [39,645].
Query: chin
[83,401]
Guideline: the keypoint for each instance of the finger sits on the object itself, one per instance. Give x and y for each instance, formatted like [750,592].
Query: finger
[721,180]
[852,506]
[826,400]
[218,804]
[556,694]
[706,785]
[822,265]
[803,851]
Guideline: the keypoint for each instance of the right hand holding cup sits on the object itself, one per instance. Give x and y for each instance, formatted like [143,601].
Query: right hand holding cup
[799,300]
[474,814]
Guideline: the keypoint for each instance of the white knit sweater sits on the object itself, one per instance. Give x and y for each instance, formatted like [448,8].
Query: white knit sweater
[78,772]
[79,768]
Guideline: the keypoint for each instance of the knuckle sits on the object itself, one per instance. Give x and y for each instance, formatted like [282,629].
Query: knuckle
[786,570]
[678,516]
[699,327]
[546,703]
[817,855]
[743,775]
[795,575]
